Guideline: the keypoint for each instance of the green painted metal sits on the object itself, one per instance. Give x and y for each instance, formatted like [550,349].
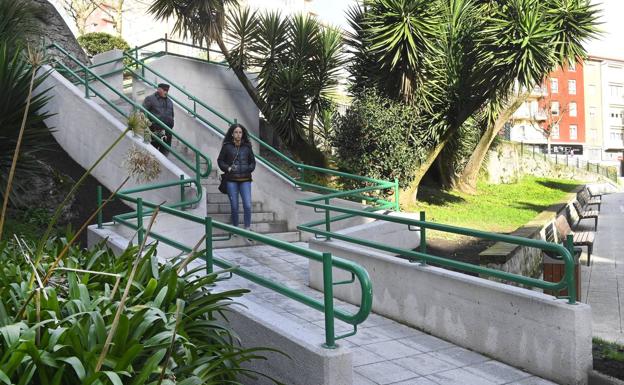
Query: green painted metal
[134,220]
[423,236]
[567,282]
[328,297]
[138,107]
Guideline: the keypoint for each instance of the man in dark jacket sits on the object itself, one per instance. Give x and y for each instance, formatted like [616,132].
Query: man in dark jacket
[161,107]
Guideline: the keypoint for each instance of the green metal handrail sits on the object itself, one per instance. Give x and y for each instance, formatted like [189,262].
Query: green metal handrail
[328,261]
[301,167]
[199,156]
[567,282]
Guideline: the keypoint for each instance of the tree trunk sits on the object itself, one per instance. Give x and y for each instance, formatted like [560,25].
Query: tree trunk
[408,195]
[467,182]
[311,125]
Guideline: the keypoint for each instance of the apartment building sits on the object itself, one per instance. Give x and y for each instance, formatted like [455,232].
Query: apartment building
[553,114]
[605,109]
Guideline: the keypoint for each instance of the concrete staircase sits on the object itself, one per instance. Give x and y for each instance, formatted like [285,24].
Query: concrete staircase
[218,204]
[262,221]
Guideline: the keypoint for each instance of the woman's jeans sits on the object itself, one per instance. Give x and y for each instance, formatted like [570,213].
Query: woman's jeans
[244,188]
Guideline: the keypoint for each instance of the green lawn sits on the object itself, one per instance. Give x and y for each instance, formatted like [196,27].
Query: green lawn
[498,208]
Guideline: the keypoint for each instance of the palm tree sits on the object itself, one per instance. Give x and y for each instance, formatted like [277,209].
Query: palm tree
[283,92]
[456,56]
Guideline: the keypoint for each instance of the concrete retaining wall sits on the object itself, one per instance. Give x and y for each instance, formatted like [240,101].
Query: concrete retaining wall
[84,130]
[276,193]
[306,363]
[523,328]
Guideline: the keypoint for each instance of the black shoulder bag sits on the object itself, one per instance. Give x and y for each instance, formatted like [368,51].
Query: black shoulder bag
[223,184]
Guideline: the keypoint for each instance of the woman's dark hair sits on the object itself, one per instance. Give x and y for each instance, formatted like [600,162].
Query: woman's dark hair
[230,132]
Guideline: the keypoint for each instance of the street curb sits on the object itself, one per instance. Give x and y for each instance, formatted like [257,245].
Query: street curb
[597,378]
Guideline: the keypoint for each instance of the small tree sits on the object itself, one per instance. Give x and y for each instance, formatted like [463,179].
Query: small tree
[550,118]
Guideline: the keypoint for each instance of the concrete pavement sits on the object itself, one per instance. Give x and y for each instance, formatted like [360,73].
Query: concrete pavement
[385,351]
[602,283]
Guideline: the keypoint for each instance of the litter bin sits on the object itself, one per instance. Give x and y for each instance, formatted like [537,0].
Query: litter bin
[554,270]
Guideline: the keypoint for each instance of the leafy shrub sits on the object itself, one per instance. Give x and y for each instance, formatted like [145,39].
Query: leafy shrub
[98,42]
[169,330]
[15,73]
[376,138]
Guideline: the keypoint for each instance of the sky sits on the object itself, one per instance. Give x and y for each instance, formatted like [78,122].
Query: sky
[333,11]
[611,43]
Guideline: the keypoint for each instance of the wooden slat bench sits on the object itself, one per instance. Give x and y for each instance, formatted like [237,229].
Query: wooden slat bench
[585,214]
[586,200]
[580,238]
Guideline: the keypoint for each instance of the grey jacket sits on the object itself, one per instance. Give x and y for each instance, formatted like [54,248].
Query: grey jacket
[162,108]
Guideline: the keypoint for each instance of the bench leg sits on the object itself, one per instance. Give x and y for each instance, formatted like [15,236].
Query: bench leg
[589,253]
[595,223]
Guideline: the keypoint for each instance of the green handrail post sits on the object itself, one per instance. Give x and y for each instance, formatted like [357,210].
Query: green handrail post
[397,208]
[99,205]
[423,237]
[327,220]
[136,56]
[570,270]
[209,261]
[86,83]
[140,220]
[328,287]
[182,190]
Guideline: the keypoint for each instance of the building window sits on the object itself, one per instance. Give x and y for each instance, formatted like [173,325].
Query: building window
[554,134]
[573,132]
[554,108]
[616,91]
[554,85]
[573,111]
[572,87]
[572,67]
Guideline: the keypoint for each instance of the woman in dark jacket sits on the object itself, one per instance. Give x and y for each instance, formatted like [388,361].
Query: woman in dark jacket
[237,161]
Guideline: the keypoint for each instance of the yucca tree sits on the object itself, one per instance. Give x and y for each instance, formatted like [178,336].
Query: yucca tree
[464,54]
[15,77]
[568,24]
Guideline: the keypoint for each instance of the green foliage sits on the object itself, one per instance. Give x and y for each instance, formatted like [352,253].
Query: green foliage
[451,58]
[170,324]
[376,138]
[498,208]
[15,74]
[608,350]
[98,42]
[298,61]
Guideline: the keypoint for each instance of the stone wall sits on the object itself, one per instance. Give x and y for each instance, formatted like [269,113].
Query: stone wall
[56,30]
[507,165]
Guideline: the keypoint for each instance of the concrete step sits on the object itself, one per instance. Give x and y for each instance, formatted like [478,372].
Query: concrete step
[262,227]
[236,241]
[224,208]
[256,217]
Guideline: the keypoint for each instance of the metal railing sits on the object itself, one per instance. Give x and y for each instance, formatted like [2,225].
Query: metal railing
[134,220]
[191,105]
[568,281]
[566,253]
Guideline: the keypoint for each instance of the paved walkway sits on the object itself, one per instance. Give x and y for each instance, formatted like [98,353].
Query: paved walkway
[385,352]
[602,284]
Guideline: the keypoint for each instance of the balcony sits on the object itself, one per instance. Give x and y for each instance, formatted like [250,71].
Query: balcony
[539,92]
[526,114]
